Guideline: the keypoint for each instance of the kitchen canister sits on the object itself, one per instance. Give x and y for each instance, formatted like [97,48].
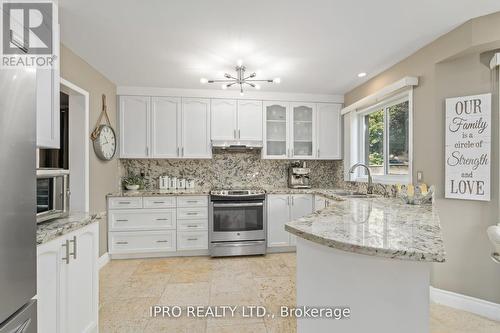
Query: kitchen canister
[181,183]
[173,182]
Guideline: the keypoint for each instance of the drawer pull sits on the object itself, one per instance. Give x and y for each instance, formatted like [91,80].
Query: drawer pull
[192,213]
[162,241]
[161,219]
[192,201]
[158,202]
[122,243]
[124,202]
[192,225]
[192,239]
[121,220]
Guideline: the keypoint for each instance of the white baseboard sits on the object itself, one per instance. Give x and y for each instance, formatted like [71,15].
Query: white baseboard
[103,260]
[477,306]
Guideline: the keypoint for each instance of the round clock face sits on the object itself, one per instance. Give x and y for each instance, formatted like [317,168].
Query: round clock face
[105,144]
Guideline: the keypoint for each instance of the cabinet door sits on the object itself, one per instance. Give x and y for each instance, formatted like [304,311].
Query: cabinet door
[165,120]
[134,126]
[302,135]
[51,271]
[250,120]
[278,213]
[223,115]
[196,128]
[276,131]
[82,281]
[302,205]
[329,131]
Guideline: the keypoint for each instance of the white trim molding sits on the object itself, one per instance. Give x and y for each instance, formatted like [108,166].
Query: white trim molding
[384,93]
[233,94]
[103,260]
[474,305]
[495,61]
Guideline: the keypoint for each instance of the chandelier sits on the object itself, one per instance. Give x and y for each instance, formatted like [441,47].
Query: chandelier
[240,79]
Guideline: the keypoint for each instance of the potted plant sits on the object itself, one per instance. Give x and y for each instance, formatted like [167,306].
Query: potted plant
[132,182]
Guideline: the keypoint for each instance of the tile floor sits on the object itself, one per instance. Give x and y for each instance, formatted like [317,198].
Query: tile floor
[129,287]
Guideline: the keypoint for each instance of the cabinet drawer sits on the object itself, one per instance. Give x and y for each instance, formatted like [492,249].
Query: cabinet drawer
[194,213]
[159,202]
[192,240]
[142,219]
[143,241]
[124,203]
[192,201]
[192,225]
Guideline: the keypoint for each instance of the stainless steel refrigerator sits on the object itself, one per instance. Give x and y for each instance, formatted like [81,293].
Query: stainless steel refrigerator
[17,201]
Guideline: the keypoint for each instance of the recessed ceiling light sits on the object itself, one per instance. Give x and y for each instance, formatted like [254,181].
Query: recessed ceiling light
[203,80]
[362,74]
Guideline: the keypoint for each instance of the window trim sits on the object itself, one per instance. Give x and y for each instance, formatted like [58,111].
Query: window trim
[359,176]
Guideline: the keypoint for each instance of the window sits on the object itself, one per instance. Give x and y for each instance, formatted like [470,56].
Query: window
[384,138]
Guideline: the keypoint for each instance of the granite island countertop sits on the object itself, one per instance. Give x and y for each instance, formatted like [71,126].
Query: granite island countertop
[50,230]
[376,226]
[158,193]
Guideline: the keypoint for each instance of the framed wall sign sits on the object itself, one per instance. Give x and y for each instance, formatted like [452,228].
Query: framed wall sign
[468,147]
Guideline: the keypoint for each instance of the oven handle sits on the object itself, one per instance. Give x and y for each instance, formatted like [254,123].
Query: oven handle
[235,205]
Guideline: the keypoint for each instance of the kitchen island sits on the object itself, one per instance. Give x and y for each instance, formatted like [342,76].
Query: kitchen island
[372,255]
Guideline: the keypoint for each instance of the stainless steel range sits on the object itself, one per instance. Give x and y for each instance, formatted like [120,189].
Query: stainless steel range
[237,222]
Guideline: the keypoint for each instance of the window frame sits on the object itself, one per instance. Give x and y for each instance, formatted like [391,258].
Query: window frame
[384,104]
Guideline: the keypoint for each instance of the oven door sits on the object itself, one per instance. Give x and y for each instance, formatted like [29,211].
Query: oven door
[237,221]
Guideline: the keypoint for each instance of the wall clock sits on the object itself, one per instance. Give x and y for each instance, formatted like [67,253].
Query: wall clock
[103,136]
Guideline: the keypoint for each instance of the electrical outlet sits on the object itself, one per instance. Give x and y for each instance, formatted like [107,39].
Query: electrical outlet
[420,176]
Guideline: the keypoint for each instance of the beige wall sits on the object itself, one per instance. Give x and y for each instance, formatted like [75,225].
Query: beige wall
[103,175]
[454,65]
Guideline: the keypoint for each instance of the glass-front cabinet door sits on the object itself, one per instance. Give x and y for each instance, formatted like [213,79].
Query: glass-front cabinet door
[276,130]
[302,130]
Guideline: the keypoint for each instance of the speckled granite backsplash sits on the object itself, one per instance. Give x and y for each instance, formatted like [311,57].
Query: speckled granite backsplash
[233,169]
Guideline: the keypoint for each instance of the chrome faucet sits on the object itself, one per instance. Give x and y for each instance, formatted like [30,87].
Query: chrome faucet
[369,189]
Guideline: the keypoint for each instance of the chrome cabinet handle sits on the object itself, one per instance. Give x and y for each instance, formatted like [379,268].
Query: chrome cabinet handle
[162,219]
[177,151]
[293,201]
[66,246]
[192,239]
[288,201]
[124,202]
[74,247]
[162,241]
[147,151]
[158,202]
[182,151]
[239,134]
[192,226]
[192,201]
[318,152]
[234,134]
[121,243]
[191,213]
[122,220]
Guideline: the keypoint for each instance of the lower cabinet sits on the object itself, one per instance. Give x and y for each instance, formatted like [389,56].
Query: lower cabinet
[174,226]
[282,209]
[68,282]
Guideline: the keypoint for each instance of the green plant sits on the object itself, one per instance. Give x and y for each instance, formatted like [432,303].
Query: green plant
[133,180]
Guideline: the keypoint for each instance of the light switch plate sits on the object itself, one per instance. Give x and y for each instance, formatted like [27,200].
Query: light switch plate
[420,176]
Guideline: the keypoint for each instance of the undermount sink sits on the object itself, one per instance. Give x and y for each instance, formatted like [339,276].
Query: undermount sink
[352,194]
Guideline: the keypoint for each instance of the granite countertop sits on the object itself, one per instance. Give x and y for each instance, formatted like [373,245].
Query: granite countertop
[50,230]
[158,193]
[377,226]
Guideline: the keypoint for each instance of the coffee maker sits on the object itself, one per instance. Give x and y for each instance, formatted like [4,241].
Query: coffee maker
[298,175]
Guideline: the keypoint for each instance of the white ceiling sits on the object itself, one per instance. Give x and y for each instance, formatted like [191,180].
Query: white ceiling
[315,46]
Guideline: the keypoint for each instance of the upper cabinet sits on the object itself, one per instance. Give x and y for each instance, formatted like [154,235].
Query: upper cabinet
[236,120]
[196,128]
[302,130]
[276,129]
[47,99]
[164,127]
[329,136]
[134,126]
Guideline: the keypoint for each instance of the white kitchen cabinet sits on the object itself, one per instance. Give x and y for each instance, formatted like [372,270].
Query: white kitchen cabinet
[47,99]
[68,282]
[276,130]
[236,120]
[329,136]
[196,128]
[249,120]
[165,125]
[134,122]
[224,123]
[302,130]
[282,209]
